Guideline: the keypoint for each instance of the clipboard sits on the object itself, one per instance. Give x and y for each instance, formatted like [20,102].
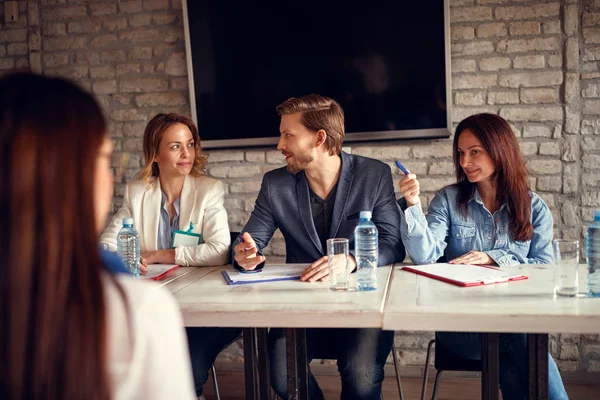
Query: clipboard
[156,272]
[466,275]
[270,273]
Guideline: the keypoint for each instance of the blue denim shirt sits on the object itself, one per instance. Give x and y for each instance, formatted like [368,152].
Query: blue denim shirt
[165,227]
[446,231]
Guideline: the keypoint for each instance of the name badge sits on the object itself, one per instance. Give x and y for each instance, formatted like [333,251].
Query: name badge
[186,238]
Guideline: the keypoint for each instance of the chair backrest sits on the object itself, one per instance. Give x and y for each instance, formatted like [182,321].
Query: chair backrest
[234,236]
[446,360]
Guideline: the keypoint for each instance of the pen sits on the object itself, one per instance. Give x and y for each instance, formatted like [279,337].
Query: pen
[402,168]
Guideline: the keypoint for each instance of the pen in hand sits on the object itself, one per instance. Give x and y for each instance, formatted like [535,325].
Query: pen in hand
[402,168]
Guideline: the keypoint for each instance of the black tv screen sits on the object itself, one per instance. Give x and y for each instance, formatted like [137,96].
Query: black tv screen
[386,63]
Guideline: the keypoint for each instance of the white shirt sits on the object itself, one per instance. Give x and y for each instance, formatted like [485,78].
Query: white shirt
[148,356]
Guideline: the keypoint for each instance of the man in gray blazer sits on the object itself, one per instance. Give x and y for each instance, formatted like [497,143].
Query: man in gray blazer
[319,196]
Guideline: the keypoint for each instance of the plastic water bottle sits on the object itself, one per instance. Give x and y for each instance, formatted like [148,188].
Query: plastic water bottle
[366,252]
[128,247]
[593,256]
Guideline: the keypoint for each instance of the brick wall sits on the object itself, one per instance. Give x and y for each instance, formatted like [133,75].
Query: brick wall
[536,63]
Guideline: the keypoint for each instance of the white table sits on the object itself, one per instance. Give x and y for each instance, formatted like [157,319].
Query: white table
[205,299]
[529,306]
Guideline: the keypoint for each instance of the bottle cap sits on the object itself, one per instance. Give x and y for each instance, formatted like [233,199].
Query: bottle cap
[127,221]
[366,214]
[597,214]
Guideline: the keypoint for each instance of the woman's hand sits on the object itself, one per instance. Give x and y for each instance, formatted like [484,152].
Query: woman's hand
[143,265]
[475,258]
[410,189]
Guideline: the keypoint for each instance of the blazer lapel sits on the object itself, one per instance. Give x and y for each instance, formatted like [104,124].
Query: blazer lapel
[187,201]
[151,215]
[341,196]
[305,210]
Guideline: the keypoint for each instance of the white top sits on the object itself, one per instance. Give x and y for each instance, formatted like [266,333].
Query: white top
[148,356]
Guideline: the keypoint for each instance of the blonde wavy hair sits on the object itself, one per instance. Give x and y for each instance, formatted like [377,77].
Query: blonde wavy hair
[153,134]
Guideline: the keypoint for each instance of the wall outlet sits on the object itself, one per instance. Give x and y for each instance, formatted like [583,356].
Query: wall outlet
[11,11]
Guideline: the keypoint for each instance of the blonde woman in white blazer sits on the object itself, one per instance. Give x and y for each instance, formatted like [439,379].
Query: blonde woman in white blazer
[172,192]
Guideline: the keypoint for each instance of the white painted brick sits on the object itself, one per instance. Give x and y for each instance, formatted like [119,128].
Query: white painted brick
[525,28]
[470,98]
[531,79]
[255,156]
[275,157]
[225,156]
[480,81]
[491,30]
[526,12]
[244,187]
[573,119]
[549,149]
[572,53]
[590,126]
[459,113]
[471,48]
[570,178]
[570,149]
[590,161]
[383,152]
[494,63]
[529,62]
[548,184]
[571,87]
[555,60]
[530,131]
[571,19]
[539,96]
[464,66]
[532,114]
[435,150]
[503,97]
[435,184]
[462,32]
[441,168]
[527,45]
[551,27]
[544,167]
[591,106]
[590,198]
[528,148]
[468,14]
[590,143]
[591,35]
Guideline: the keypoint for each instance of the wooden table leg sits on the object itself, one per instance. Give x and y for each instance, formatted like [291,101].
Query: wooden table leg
[490,366]
[250,362]
[297,366]
[537,349]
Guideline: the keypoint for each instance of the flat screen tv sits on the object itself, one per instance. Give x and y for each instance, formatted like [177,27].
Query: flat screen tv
[386,62]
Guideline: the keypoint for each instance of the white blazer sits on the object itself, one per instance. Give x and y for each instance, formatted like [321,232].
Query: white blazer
[201,203]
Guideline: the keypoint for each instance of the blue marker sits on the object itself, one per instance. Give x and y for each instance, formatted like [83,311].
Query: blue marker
[406,172]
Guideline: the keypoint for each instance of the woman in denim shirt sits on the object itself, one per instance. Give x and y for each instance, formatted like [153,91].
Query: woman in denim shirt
[488,217]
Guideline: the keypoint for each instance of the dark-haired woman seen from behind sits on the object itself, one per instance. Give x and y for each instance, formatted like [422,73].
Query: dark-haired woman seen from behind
[488,217]
[68,328]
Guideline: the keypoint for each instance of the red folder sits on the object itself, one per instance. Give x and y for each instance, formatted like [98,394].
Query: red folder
[156,272]
[466,275]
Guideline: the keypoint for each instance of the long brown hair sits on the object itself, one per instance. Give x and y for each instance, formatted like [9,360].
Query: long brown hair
[52,310]
[153,134]
[499,140]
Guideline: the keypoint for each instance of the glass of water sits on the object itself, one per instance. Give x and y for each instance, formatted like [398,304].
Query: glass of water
[566,275]
[337,263]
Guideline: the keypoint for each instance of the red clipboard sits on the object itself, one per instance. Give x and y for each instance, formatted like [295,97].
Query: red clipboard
[156,272]
[465,275]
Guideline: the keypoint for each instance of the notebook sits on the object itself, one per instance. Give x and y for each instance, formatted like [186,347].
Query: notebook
[466,275]
[158,271]
[270,273]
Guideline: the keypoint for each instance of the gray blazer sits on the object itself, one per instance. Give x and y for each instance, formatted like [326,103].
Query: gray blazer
[283,203]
